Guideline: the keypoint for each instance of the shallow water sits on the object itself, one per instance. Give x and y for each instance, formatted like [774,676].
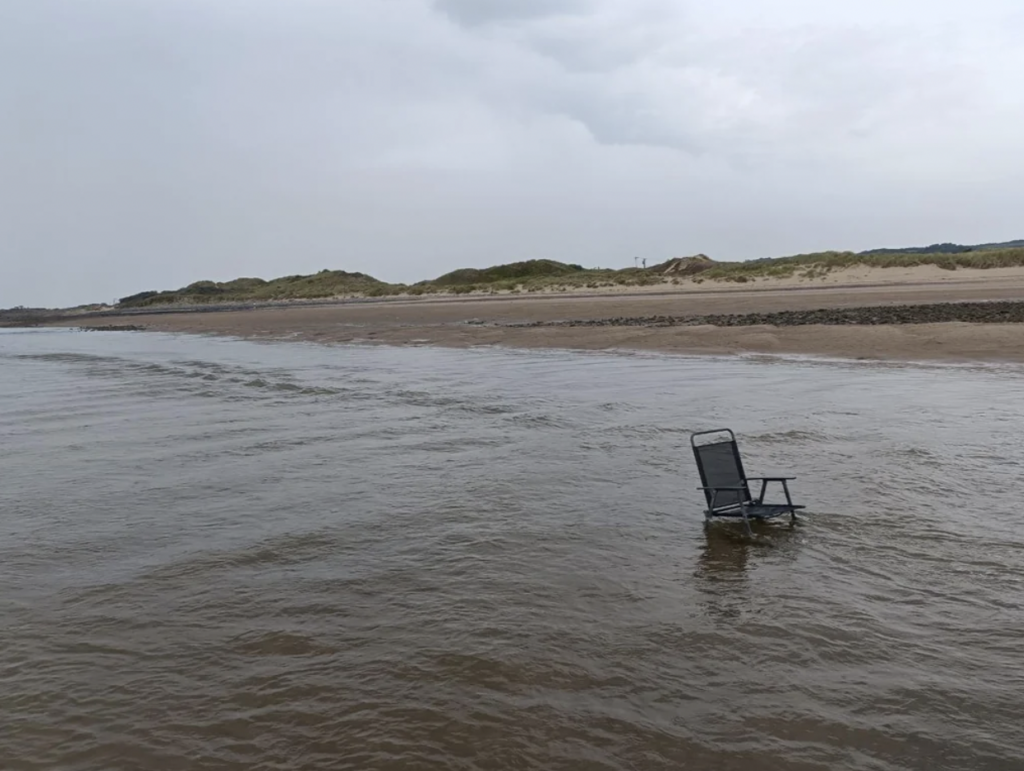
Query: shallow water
[218,554]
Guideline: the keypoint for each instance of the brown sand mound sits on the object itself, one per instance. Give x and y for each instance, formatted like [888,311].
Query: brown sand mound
[685,266]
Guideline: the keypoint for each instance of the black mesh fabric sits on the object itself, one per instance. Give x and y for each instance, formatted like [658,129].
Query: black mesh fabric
[721,470]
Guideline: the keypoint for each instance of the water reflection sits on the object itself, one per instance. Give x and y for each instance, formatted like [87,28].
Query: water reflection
[728,553]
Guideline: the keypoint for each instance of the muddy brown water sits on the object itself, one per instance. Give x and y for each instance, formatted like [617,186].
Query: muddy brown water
[218,554]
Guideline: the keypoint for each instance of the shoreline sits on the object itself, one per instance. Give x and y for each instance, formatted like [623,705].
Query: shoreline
[980,319]
[945,341]
[926,280]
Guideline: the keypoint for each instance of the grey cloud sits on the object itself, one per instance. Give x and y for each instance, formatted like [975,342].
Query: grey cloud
[147,145]
[480,12]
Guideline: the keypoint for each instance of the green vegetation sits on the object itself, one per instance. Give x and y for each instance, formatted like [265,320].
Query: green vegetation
[948,248]
[531,276]
[20,316]
[821,263]
[514,271]
[534,276]
[326,283]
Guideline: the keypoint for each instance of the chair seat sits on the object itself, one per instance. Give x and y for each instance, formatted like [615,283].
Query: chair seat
[757,511]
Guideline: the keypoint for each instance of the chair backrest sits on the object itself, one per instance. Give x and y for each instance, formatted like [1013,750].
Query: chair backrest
[719,464]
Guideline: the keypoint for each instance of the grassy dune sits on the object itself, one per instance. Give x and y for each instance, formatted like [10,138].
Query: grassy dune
[821,263]
[326,283]
[552,276]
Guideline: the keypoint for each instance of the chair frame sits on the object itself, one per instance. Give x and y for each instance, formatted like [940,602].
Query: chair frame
[748,507]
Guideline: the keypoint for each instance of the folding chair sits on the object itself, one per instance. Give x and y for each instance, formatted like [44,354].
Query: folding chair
[726,486]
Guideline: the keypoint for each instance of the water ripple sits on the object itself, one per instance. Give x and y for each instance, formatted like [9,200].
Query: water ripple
[223,555]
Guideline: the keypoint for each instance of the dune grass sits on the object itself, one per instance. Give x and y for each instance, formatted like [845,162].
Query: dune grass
[326,283]
[533,276]
[819,264]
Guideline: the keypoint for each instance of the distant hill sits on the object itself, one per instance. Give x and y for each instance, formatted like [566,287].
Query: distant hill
[550,275]
[819,264]
[326,283]
[948,248]
[513,270]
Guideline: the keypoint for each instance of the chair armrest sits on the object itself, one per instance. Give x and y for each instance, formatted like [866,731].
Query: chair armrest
[770,479]
[732,489]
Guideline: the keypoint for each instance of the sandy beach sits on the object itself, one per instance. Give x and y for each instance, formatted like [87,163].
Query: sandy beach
[616,319]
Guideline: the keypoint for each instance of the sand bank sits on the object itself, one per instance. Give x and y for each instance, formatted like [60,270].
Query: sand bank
[628,320]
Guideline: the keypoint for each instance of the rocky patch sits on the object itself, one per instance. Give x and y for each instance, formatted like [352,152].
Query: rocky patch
[969,312]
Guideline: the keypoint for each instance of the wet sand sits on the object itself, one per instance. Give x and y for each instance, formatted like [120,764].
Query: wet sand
[501,320]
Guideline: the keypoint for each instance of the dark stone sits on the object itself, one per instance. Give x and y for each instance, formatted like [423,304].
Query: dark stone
[1002,312]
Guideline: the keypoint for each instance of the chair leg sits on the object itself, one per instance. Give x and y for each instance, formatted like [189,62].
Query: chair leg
[746,521]
[785,488]
[789,500]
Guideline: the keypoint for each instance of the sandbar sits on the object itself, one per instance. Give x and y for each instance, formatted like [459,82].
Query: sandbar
[614,320]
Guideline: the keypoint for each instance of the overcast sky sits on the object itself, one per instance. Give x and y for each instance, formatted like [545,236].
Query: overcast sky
[145,144]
